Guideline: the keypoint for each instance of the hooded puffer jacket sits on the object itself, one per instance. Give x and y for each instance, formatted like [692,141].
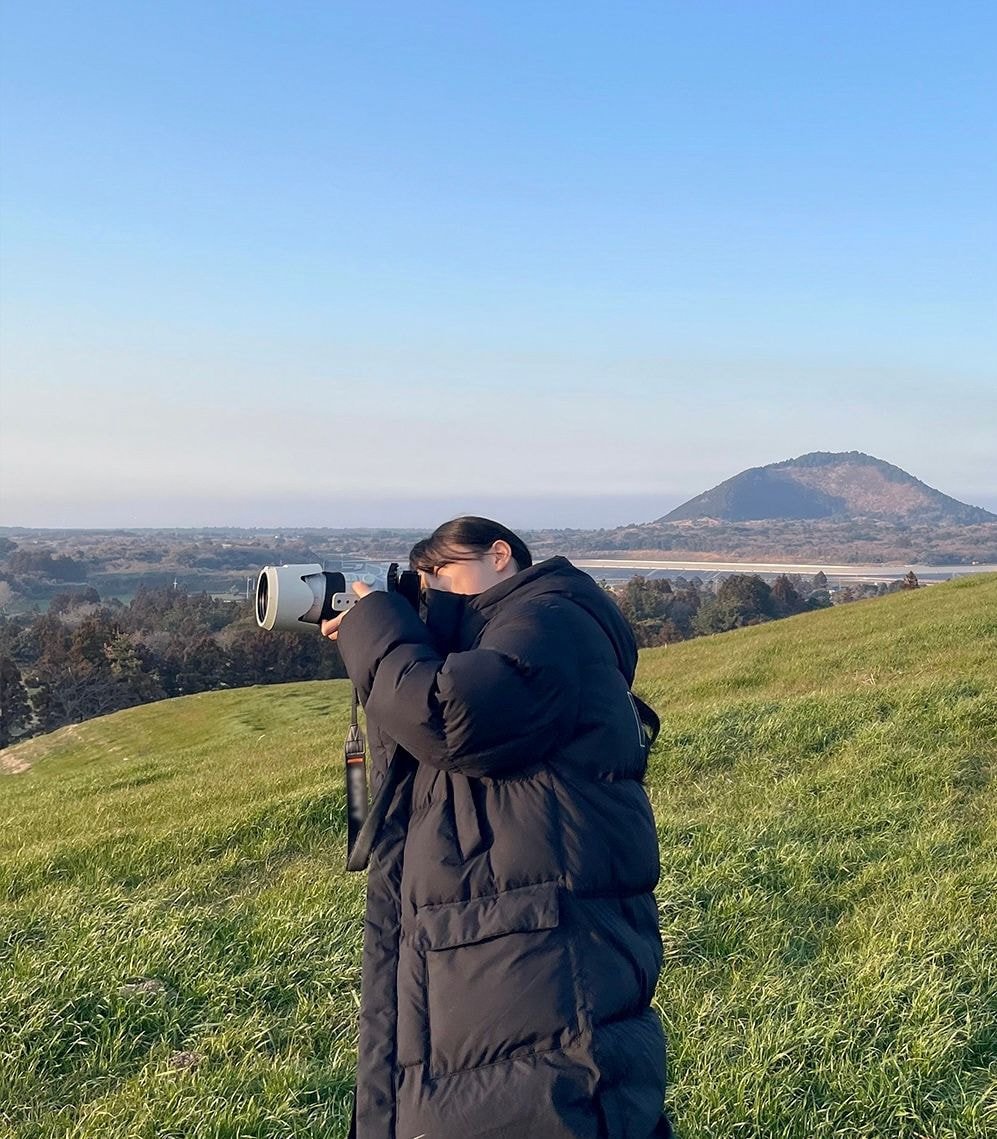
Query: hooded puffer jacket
[511,942]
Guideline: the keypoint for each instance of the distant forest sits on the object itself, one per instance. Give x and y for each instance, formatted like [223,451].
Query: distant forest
[87,656]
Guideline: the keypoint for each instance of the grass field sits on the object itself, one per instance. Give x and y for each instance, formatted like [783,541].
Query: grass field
[179,946]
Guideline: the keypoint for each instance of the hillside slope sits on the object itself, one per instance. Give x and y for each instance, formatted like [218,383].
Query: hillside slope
[833,485]
[179,944]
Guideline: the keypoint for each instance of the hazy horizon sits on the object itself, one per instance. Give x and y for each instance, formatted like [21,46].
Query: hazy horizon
[539,513]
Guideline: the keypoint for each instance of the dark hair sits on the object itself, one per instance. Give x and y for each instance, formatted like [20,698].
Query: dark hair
[451,541]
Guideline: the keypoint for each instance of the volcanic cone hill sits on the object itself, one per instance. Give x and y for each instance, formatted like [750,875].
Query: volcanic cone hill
[180,946]
[823,484]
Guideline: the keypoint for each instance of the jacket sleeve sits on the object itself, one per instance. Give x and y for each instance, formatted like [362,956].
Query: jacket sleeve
[487,711]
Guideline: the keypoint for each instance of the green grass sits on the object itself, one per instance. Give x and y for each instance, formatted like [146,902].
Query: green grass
[828,817]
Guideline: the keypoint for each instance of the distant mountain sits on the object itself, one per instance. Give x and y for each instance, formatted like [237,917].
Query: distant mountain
[824,484]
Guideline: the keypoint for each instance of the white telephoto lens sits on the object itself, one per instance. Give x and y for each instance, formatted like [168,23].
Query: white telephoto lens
[288,597]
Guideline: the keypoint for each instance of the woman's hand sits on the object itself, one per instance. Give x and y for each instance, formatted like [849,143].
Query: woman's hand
[330,628]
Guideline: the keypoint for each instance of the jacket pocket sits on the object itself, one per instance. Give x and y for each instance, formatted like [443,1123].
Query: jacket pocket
[454,924]
[499,982]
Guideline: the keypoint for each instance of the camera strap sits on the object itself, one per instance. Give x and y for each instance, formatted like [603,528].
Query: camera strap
[355,757]
[364,817]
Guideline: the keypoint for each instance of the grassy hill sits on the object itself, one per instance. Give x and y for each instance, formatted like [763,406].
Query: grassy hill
[179,947]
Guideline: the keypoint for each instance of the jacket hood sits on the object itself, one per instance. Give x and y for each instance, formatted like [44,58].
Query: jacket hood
[558,576]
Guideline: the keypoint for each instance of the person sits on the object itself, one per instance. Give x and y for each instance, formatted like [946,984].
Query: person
[511,941]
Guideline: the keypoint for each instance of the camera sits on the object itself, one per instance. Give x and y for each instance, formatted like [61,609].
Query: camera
[295,597]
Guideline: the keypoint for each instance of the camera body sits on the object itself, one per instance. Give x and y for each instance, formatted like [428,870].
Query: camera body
[295,597]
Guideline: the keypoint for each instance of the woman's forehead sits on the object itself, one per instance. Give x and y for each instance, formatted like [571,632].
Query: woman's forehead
[434,554]
[452,552]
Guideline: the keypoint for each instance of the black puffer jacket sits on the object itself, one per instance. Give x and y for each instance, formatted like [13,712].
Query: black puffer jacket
[511,942]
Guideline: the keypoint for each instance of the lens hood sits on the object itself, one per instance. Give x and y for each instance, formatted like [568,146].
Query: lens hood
[290,597]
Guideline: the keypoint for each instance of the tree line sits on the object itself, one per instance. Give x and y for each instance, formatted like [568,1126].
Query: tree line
[85,658]
[662,612]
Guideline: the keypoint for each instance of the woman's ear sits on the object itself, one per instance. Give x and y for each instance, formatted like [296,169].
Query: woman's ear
[502,552]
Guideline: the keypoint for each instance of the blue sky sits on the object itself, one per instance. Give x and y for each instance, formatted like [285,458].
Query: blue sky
[329,263]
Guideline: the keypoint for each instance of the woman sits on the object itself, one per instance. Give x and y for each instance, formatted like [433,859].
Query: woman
[511,944]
